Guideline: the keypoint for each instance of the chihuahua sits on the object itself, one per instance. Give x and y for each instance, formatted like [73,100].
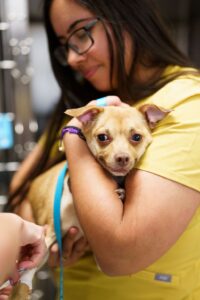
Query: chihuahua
[117,137]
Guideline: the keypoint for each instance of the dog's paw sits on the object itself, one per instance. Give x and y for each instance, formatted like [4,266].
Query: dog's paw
[121,193]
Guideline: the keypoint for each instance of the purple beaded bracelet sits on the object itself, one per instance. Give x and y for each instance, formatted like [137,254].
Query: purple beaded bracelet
[71,130]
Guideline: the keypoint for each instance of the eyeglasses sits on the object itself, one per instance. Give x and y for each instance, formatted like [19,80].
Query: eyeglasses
[80,41]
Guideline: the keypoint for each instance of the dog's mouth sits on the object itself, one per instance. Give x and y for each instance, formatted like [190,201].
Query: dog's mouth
[115,169]
[118,171]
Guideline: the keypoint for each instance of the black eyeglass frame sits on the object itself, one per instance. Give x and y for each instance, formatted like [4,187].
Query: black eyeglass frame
[61,52]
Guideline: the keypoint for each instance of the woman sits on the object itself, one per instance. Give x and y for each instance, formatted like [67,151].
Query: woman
[148,247]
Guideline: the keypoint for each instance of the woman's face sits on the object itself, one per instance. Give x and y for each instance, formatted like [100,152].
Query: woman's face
[94,65]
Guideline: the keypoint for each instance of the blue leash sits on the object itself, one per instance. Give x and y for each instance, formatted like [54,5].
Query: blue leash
[57,220]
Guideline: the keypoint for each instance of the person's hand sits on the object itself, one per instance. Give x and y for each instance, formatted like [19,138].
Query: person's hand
[108,100]
[12,280]
[4,293]
[32,251]
[26,248]
[72,250]
[33,246]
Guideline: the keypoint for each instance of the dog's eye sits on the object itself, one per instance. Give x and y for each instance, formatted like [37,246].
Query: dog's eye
[136,137]
[102,137]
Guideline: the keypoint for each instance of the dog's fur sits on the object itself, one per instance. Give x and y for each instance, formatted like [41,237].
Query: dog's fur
[117,136]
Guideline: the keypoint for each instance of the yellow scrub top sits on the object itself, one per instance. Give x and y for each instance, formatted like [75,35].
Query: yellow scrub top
[174,154]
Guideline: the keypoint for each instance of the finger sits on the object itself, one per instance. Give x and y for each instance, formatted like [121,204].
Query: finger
[54,248]
[53,260]
[104,101]
[36,255]
[79,250]
[108,100]
[4,293]
[101,101]
[80,245]
[40,253]
[116,101]
[69,240]
[3,297]
[14,277]
[113,100]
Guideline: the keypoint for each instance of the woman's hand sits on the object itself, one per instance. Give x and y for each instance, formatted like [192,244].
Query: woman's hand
[72,249]
[107,101]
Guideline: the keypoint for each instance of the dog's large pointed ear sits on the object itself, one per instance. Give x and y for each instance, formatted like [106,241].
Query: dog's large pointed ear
[85,114]
[153,113]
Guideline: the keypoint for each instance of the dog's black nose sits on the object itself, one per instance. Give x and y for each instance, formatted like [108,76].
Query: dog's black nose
[122,159]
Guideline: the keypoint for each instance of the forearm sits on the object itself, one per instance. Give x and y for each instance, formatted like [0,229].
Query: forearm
[99,209]
[127,238]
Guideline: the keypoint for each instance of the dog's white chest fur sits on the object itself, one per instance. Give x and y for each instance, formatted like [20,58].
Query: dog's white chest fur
[68,213]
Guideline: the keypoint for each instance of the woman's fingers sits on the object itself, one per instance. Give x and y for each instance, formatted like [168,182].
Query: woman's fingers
[108,100]
[79,248]
[54,257]
[72,250]
[69,241]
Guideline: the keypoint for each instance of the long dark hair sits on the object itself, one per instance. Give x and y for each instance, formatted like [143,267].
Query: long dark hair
[152,47]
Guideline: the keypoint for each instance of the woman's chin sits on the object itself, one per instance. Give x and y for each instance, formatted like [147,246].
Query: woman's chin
[101,86]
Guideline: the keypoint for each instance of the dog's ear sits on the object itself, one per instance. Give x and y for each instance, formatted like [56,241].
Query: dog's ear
[153,113]
[85,114]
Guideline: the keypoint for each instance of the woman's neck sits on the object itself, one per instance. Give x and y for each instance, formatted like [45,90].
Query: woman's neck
[147,75]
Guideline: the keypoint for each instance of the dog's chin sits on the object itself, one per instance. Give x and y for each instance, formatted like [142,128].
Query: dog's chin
[115,170]
[118,172]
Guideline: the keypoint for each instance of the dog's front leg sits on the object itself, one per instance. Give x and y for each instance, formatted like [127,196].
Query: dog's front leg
[121,193]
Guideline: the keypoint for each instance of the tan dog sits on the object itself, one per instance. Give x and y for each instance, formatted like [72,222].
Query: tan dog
[117,136]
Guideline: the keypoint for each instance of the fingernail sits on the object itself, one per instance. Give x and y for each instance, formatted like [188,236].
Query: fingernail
[101,101]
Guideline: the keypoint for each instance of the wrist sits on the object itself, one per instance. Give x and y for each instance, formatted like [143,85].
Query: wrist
[71,130]
[76,149]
